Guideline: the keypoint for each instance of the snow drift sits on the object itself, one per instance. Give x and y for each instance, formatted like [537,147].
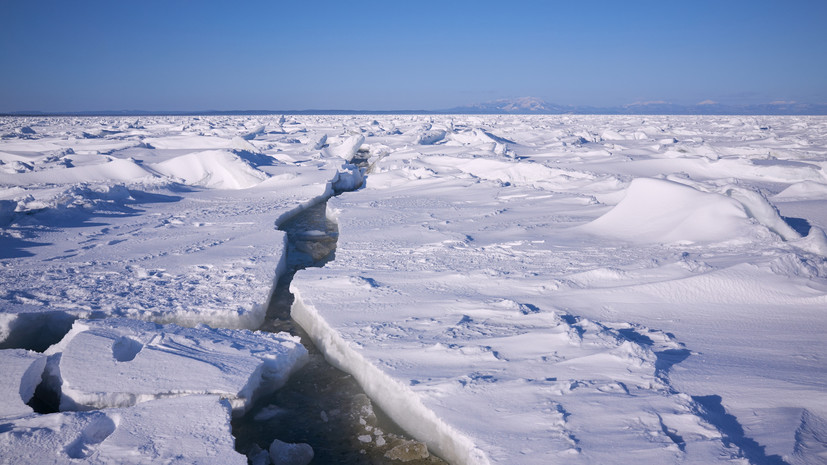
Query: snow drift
[659,211]
[218,169]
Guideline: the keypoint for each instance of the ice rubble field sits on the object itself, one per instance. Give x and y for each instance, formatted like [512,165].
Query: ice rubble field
[509,289]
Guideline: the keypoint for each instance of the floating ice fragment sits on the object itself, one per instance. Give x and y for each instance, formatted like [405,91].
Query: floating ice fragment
[284,453]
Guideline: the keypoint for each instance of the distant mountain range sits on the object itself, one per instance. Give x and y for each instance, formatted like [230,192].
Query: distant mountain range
[532,105]
[516,106]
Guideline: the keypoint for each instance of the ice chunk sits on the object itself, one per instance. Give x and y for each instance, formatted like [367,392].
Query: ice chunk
[6,212]
[250,135]
[290,454]
[120,362]
[321,142]
[191,429]
[22,370]
[347,148]
[431,136]
[349,178]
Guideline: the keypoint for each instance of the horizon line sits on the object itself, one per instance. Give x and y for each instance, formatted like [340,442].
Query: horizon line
[666,108]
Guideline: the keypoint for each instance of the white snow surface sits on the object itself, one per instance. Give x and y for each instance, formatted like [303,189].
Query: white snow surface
[509,289]
[577,299]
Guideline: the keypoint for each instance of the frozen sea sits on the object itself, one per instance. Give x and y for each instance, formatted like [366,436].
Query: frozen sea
[504,289]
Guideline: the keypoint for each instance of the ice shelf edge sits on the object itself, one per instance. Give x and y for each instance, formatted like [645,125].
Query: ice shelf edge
[398,401]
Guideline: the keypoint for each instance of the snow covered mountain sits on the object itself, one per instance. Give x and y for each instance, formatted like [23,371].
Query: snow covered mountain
[521,105]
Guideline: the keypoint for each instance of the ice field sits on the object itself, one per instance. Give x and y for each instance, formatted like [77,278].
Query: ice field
[507,289]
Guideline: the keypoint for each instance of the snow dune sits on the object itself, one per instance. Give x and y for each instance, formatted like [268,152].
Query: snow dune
[215,169]
[663,211]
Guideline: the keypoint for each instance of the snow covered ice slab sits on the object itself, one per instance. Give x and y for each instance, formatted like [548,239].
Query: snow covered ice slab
[183,430]
[22,370]
[121,362]
[586,289]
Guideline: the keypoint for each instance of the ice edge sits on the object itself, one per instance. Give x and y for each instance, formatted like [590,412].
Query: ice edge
[398,401]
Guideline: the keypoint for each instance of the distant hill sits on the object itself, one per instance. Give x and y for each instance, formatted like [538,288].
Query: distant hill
[515,106]
[533,105]
[523,105]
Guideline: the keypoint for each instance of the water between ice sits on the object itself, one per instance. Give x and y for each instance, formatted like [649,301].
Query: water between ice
[320,405]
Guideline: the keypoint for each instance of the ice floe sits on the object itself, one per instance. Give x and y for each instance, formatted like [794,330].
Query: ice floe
[121,362]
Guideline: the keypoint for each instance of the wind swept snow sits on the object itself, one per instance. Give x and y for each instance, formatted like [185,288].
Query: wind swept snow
[214,168]
[507,289]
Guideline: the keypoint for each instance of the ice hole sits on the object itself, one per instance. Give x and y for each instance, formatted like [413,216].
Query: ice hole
[37,331]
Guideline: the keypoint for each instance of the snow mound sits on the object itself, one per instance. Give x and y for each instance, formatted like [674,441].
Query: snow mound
[757,206]
[192,429]
[21,375]
[664,212]
[814,242]
[477,136]
[532,174]
[218,169]
[179,142]
[108,170]
[121,362]
[805,190]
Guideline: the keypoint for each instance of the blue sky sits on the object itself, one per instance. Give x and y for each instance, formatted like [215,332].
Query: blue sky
[220,55]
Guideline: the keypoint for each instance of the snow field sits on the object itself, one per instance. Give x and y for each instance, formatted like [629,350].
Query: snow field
[175,228]
[545,301]
[188,238]
[509,289]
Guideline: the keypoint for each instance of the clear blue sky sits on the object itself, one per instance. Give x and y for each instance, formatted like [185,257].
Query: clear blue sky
[60,55]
